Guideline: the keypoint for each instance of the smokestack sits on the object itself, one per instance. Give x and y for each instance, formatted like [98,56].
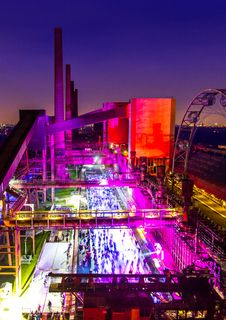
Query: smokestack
[59,143]
[68,91]
[68,134]
[59,87]
[74,107]
[74,101]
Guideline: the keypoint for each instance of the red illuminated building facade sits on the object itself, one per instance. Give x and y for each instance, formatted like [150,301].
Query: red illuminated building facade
[147,129]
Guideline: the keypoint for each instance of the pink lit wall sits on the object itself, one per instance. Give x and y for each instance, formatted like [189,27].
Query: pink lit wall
[151,127]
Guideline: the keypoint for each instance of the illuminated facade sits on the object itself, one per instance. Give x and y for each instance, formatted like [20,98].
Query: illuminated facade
[116,130]
[151,127]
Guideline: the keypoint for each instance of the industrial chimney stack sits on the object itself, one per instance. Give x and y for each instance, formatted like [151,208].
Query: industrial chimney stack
[59,141]
[68,134]
[58,78]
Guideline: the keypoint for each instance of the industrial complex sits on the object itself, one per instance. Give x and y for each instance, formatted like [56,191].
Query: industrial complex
[105,215]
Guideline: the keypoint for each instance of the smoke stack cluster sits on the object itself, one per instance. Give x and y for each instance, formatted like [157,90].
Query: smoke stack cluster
[71,101]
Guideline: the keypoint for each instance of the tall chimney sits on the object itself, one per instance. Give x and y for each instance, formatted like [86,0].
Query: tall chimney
[68,134]
[68,91]
[59,143]
[59,84]
[76,102]
[74,107]
[72,100]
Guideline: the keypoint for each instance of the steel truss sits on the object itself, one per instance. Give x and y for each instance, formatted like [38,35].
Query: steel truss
[207,102]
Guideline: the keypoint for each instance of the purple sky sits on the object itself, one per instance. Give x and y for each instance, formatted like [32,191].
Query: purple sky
[117,50]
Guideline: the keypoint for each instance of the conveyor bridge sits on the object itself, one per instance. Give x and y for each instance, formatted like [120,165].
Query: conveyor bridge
[89,218]
[38,184]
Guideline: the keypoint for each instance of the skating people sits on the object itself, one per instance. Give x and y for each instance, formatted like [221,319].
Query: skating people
[50,306]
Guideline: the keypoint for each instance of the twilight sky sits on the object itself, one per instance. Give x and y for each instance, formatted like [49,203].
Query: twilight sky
[118,49]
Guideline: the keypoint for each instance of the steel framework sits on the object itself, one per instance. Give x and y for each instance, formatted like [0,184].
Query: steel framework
[203,104]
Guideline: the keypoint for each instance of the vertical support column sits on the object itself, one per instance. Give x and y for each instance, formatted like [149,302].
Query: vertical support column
[7,206]
[37,198]
[52,162]
[44,171]
[29,195]
[33,241]
[18,261]
[187,192]
[8,248]
[105,135]
[106,106]
[4,215]
[196,238]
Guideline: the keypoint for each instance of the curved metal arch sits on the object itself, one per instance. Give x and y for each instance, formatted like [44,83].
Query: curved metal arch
[201,102]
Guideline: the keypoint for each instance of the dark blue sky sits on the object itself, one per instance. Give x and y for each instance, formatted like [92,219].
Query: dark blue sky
[117,49]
